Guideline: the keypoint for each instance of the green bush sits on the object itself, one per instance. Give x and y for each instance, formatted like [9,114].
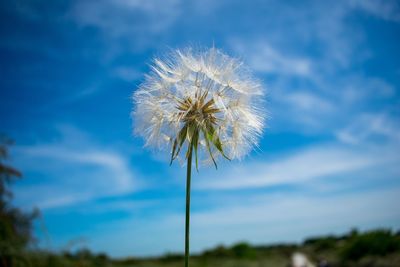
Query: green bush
[244,251]
[323,243]
[218,252]
[377,243]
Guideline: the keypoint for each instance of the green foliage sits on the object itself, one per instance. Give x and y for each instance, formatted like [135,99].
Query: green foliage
[376,243]
[322,243]
[218,252]
[171,257]
[244,251]
[380,249]
[15,225]
[7,173]
[130,261]
[239,251]
[78,259]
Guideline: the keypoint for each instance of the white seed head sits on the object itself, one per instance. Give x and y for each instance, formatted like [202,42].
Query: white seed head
[202,97]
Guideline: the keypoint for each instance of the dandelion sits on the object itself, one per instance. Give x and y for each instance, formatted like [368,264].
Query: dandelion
[199,103]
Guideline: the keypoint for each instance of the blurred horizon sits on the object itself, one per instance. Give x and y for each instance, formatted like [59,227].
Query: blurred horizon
[327,162]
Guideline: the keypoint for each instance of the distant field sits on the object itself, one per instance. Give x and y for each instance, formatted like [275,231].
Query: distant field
[380,248]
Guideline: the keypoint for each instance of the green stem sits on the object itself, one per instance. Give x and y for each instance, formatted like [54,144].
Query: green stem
[187,222]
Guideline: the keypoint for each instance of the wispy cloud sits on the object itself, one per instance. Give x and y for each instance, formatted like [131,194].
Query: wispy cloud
[262,57]
[384,9]
[126,73]
[310,164]
[307,101]
[312,109]
[369,127]
[133,23]
[121,17]
[73,170]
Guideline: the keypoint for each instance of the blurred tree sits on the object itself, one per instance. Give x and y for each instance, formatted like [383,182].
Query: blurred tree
[244,250]
[218,252]
[15,225]
[322,243]
[377,242]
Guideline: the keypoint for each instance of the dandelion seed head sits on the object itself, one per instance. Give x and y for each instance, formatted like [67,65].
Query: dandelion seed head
[202,97]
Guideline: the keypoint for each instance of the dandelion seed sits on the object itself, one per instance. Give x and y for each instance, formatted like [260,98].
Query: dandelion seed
[199,102]
[206,99]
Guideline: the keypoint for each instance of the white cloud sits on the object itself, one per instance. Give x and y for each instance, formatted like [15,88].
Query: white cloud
[119,17]
[72,170]
[312,89]
[298,208]
[309,111]
[384,9]
[126,26]
[368,127]
[308,101]
[262,57]
[316,39]
[359,89]
[310,164]
[128,74]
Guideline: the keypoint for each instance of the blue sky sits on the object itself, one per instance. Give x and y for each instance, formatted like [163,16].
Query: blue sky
[327,162]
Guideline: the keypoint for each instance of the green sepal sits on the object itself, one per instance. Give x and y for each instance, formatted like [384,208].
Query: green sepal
[179,142]
[208,146]
[215,140]
[173,151]
[195,143]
